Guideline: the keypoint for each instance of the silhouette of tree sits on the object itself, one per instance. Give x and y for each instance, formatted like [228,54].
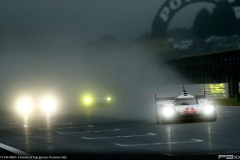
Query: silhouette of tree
[201,23]
[221,22]
[223,19]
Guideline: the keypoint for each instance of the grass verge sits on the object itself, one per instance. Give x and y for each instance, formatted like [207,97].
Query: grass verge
[227,102]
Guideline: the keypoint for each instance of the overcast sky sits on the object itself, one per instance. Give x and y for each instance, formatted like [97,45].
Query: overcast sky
[84,20]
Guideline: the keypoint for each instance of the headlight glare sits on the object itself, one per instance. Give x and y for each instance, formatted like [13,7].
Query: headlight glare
[208,109]
[87,100]
[48,104]
[24,105]
[168,111]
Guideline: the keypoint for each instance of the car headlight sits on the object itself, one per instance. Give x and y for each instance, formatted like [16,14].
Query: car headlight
[208,109]
[48,104]
[168,111]
[87,100]
[24,105]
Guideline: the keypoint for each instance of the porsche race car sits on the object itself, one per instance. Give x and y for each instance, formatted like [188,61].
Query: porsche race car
[184,106]
[96,100]
[33,105]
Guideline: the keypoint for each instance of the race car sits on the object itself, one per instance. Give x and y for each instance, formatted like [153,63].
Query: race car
[184,106]
[34,105]
[96,100]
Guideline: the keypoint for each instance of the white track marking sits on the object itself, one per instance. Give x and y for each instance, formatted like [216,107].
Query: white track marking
[66,127]
[151,134]
[14,150]
[88,131]
[129,145]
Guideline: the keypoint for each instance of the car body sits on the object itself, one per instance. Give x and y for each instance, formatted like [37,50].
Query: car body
[184,106]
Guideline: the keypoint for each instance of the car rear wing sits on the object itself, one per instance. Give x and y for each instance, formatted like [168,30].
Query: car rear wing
[162,99]
[201,96]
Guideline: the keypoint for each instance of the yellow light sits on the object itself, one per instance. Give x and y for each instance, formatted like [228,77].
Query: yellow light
[216,89]
[87,100]
[221,85]
[108,98]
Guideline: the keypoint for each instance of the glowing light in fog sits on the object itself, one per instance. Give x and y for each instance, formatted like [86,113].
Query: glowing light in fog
[24,105]
[208,109]
[48,104]
[87,100]
[168,112]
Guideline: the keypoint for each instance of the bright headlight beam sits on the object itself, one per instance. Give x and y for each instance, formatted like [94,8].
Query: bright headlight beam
[24,105]
[87,99]
[208,109]
[48,104]
[167,112]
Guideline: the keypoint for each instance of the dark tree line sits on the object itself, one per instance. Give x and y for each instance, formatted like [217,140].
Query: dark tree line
[221,22]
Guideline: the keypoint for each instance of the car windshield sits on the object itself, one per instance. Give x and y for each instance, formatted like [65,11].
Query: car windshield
[185,101]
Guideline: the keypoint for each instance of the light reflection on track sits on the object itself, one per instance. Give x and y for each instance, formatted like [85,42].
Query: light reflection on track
[169,138]
[26,133]
[177,139]
[209,138]
[49,136]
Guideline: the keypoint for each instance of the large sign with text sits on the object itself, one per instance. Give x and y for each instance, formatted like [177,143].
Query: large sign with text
[212,90]
[171,8]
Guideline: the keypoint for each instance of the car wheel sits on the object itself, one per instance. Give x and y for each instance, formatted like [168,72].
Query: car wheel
[213,120]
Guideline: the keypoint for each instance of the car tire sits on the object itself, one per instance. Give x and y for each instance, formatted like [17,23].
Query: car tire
[214,120]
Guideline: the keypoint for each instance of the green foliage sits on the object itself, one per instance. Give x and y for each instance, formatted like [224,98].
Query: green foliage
[227,102]
[221,22]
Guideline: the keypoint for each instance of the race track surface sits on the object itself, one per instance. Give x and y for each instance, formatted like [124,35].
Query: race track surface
[74,135]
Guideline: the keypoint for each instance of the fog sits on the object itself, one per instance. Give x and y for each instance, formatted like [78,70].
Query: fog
[43,51]
[130,73]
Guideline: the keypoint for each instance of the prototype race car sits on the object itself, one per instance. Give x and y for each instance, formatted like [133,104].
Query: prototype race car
[96,100]
[33,105]
[184,106]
